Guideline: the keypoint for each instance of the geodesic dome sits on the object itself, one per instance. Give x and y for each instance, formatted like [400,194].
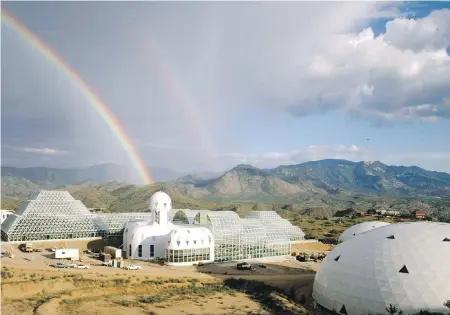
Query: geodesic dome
[404,264]
[360,228]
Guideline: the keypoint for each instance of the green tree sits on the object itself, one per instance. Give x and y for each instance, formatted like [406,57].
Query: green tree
[392,310]
[447,303]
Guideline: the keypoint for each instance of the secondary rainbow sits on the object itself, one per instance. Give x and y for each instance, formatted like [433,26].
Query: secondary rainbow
[184,102]
[104,112]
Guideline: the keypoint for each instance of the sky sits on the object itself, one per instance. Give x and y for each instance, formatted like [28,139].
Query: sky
[204,86]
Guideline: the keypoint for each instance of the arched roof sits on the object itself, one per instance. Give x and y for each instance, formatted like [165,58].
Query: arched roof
[277,228]
[360,228]
[184,215]
[403,264]
[190,237]
[254,231]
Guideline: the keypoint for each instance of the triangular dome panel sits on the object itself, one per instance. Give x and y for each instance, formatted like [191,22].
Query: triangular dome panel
[404,270]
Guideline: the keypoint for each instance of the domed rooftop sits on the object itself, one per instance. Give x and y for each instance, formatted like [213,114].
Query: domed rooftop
[403,264]
[160,200]
[360,228]
[190,237]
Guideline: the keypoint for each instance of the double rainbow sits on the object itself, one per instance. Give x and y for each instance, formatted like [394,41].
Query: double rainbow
[105,113]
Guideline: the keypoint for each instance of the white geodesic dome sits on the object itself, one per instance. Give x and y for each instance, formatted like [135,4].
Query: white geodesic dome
[404,264]
[360,228]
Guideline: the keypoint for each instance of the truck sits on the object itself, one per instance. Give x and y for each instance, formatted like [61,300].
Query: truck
[29,247]
[113,251]
[244,266]
[67,253]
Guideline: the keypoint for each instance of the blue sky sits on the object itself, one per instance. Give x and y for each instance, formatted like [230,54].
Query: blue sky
[258,83]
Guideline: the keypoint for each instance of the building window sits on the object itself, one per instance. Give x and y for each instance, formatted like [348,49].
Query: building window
[152,251]
[140,251]
[157,217]
[129,251]
[47,237]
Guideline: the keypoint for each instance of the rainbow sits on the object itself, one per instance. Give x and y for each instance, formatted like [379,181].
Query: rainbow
[106,114]
[185,103]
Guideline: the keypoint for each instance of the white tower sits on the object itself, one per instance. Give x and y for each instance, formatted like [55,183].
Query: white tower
[160,204]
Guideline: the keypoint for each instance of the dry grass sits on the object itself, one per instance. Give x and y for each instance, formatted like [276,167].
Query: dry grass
[26,291]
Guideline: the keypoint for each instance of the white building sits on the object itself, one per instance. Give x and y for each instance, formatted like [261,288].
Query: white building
[67,253]
[360,228]
[404,265]
[160,238]
[4,214]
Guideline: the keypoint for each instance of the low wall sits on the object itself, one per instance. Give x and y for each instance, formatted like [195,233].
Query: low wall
[304,241]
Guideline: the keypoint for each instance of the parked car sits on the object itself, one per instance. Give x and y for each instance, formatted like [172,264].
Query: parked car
[60,265]
[132,267]
[107,263]
[244,266]
[262,266]
[82,267]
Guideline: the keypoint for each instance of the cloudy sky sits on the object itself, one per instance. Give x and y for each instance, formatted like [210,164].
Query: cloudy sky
[205,86]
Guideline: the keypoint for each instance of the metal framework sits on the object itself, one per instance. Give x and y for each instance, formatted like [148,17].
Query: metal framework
[182,216]
[242,238]
[277,225]
[57,215]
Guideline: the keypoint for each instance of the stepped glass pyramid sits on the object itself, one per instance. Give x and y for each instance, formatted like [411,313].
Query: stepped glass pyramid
[57,215]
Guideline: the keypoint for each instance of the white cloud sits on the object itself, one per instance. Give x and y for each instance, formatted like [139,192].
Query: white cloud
[45,151]
[402,75]
[310,153]
[431,32]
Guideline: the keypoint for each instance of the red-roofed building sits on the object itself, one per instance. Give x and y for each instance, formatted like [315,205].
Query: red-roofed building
[419,214]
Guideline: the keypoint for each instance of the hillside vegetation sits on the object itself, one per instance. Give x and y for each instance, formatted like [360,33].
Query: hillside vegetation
[316,189]
[333,177]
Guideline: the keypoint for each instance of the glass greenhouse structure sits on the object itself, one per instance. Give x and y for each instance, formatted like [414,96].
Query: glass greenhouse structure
[260,234]
[57,215]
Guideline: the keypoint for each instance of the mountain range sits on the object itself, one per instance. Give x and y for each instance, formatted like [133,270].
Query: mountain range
[317,188]
[322,177]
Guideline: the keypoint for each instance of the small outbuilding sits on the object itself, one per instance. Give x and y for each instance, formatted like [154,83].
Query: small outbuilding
[67,253]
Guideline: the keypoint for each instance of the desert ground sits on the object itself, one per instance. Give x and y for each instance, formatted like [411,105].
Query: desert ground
[31,286]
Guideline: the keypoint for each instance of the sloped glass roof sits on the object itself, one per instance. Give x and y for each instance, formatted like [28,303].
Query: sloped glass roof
[57,215]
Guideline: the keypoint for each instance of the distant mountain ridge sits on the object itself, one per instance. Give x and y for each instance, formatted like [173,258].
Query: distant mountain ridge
[243,182]
[323,177]
[103,173]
